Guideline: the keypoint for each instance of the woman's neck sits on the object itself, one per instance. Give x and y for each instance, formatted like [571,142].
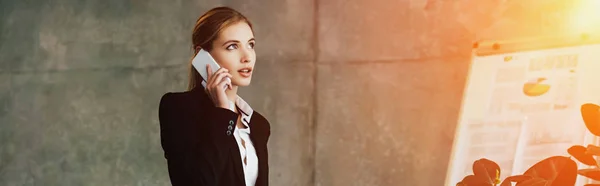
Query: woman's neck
[232,94]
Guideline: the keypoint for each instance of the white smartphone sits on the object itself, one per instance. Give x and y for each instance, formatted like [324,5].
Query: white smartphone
[201,60]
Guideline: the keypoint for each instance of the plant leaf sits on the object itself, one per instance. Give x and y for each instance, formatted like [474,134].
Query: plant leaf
[579,152]
[556,170]
[591,117]
[590,173]
[593,150]
[517,178]
[472,180]
[487,170]
[533,182]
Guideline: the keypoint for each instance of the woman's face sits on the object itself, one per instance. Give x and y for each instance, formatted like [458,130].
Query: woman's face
[234,50]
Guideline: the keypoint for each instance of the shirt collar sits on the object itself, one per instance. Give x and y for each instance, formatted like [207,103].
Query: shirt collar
[245,110]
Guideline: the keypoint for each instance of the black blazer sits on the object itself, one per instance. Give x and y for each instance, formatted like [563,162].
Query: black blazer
[198,143]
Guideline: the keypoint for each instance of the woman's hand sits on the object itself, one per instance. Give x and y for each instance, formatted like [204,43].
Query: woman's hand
[216,85]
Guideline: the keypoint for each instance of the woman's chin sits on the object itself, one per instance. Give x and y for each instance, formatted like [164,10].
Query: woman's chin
[243,83]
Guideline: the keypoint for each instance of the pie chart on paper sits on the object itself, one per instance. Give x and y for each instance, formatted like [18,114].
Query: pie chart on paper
[536,87]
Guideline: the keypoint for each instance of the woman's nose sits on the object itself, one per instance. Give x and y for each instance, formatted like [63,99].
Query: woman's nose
[246,56]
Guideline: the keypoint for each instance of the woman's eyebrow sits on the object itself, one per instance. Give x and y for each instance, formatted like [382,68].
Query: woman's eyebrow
[235,41]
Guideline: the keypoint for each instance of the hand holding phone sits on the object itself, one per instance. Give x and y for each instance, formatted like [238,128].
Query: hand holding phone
[200,61]
[220,77]
[215,79]
[216,85]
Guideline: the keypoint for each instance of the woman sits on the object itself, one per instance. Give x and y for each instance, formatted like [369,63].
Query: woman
[211,136]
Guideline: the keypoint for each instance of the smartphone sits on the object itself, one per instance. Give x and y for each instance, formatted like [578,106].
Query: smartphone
[201,60]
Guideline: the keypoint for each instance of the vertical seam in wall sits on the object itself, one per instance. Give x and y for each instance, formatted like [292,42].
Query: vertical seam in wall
[315,46]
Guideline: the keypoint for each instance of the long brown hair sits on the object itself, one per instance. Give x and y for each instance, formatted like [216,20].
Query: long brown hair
[207,30]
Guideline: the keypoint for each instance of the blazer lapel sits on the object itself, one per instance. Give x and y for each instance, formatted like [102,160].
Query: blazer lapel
[237,162]
[258,146]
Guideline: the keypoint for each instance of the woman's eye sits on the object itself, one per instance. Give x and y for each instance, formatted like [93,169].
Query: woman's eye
[251,45]
[231,47]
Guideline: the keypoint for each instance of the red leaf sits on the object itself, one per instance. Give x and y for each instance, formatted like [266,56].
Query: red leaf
[556,170]
[593,150]
[590,173]
[591,117]
[472,180]
[517,178]
[579,152]
[487,170]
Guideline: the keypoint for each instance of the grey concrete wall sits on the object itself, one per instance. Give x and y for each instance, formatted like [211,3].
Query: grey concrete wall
[357,92]
[80,83]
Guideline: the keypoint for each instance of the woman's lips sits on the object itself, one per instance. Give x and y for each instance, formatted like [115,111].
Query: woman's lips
[245,72]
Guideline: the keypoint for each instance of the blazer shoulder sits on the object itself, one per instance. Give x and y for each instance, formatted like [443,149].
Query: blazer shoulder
[169,103]
[170,99]
[263,123]
[261,118]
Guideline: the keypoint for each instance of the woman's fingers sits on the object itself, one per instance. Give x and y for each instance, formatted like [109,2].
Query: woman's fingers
[228,78]
[218,79]
[223,85]
[216,84]
[212,78]
[209,72]
[221,77]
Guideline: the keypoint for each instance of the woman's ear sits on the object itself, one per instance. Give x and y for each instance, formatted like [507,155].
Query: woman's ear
[197,49]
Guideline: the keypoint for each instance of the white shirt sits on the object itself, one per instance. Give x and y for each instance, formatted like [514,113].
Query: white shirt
[248,153]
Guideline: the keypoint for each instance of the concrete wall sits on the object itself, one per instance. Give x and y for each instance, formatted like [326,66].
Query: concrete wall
[357,92]
[81,80]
